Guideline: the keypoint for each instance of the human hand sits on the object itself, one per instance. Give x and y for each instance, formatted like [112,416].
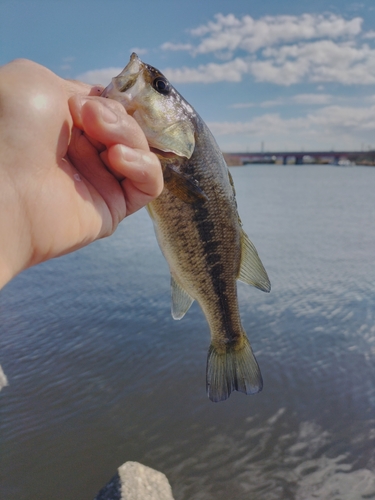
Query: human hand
[72,166]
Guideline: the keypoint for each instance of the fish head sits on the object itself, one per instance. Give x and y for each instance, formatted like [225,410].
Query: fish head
[166,119]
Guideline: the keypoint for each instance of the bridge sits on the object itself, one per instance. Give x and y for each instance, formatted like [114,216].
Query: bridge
[296,157]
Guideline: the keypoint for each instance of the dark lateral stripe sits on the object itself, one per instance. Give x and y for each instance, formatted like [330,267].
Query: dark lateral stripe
[212,258]
[216,268]
[211,247]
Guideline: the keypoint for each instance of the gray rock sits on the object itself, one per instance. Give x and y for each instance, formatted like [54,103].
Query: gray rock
[3,379]
[111,491]
[135,481]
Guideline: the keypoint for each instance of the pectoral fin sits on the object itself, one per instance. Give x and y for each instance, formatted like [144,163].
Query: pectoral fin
[252,271]
[181,300]
[182,186]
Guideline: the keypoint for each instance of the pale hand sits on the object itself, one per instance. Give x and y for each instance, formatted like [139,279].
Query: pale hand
[72,166]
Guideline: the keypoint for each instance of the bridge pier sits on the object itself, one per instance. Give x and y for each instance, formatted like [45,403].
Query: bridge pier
[321,157]
[299,160]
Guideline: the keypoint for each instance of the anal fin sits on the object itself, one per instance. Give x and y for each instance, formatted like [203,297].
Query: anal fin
[233,370]
[181,300]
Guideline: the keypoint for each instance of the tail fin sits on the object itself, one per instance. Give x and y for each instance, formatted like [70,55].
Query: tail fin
[235,370]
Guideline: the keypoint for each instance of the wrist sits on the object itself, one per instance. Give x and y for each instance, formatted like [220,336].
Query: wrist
[15,248]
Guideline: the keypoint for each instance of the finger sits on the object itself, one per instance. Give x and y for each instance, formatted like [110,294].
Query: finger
[104,157]
[106,121]
[96,90]
[74,87]
[142,168]
[89,165]
[142,171]
[135,199]
[99,146]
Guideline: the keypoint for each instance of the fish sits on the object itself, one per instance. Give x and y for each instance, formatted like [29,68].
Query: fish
[197,224]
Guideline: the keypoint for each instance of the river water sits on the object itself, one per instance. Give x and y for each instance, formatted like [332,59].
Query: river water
[99,373]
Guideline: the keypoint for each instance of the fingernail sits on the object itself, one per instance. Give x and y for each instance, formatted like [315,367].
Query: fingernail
[108,115]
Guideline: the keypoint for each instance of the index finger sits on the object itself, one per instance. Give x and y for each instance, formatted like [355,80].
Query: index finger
[74,87]
[106,121]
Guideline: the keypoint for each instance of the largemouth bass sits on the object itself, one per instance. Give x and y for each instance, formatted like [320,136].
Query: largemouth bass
[196,223]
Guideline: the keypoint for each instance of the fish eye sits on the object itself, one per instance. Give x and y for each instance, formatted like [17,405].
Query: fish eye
[161,85]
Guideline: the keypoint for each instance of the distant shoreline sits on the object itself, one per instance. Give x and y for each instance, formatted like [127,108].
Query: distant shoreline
[341,158]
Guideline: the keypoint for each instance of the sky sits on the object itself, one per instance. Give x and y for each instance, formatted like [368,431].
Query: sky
[283,75]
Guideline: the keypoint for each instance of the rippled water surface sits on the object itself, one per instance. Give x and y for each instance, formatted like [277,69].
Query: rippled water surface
[99,372]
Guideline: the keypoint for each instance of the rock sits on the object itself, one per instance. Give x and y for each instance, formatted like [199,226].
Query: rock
[111,491]
[135,481]
[3,379]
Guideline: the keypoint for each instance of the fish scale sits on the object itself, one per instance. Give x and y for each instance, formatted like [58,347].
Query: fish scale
[197,224]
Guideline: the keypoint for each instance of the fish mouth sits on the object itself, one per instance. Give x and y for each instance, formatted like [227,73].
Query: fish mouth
[107,90]
[126,79]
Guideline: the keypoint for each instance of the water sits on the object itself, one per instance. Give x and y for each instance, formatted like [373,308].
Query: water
[100,374]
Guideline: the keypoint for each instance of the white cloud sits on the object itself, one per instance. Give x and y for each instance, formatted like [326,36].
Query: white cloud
[263,104]
[331,118]
[349,119]
[282,50]
[369,35]
[356,6]
[66,63]
[209,73]
[231,33]
[259,126]
[176,46]
[139,51]
[243,105]
[342,127]
[273,102]
[321,61]
[303,99]
[311,99]
[99,76]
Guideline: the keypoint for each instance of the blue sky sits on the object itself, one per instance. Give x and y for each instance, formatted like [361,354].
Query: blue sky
[295,75]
